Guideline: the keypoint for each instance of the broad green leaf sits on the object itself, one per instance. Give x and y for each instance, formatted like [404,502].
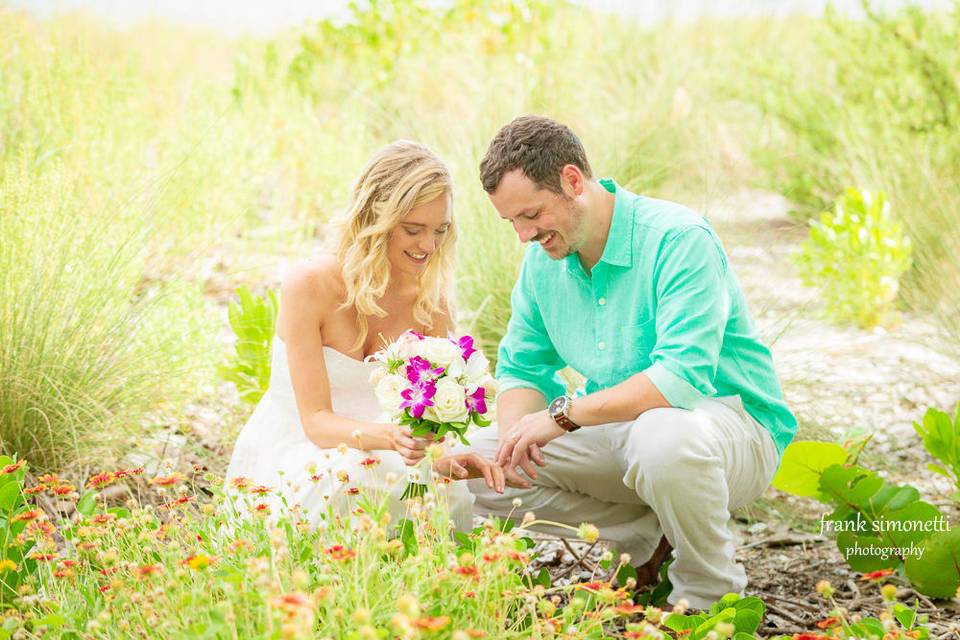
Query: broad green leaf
[9,493]
[863,552]
[803,463]
[87,503]
[936,572]
[905,615]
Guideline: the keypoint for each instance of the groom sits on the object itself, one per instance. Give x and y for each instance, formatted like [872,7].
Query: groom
[682,418]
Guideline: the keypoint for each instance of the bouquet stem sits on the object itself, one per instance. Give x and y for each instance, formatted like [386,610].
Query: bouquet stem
[419,488]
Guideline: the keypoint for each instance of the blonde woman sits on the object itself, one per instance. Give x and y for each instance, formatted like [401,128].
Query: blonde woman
[318,435]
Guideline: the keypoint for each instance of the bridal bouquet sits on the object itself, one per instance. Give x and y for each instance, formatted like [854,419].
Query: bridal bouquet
[435,386]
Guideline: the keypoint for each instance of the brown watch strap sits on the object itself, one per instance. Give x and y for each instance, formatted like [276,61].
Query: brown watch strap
[565,423]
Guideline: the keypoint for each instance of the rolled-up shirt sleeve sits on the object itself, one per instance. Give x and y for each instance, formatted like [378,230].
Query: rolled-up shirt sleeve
[526,357]
[693,306]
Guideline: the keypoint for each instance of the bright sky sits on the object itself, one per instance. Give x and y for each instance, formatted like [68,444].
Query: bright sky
[265,17]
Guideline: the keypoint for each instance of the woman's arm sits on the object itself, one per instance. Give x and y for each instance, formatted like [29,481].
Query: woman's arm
[308,296]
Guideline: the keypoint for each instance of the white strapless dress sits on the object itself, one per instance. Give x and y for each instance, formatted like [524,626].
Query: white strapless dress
[272,449]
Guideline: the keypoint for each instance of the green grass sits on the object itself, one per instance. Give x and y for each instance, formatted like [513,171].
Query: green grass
[135,157]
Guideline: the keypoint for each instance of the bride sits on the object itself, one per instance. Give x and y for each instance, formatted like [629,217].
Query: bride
[317,437]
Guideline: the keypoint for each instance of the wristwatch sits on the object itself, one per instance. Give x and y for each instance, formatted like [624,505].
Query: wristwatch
[559,410]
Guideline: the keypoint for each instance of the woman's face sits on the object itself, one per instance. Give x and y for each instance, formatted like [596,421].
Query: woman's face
[417,237]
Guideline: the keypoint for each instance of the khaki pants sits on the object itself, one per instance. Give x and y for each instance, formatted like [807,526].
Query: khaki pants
[671,471]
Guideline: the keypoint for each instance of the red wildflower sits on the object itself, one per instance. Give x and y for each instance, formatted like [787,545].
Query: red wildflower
[431,624]
[42,527]
[262,508]
[37,489]
[64,489]
[315,478]
[490,557]
[352,491]
[10,468]
[470,571]
[43,557]
[26,516]
[594,586]
[340,553]
[147,570]
[105,588]
[876,575]
[49,478]
[810,636]
[177,502]
[369,462]
[101,480]
[103,518]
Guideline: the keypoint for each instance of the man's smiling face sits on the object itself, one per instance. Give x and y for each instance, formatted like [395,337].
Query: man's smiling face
[555,220]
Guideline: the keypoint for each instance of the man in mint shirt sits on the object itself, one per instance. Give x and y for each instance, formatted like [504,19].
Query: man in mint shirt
[682,418]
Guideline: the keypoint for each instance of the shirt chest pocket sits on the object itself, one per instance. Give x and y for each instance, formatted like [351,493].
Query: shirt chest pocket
[636,344]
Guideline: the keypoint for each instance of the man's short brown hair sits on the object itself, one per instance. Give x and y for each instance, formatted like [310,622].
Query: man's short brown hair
[538,146]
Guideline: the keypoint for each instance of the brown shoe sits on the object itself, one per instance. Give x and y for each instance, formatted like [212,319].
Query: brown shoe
[648,572]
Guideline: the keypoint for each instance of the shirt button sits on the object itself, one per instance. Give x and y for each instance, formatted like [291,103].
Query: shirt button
[601,345]
[602,301]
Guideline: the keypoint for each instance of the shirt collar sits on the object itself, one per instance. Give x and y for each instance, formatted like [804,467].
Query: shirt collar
[618,250]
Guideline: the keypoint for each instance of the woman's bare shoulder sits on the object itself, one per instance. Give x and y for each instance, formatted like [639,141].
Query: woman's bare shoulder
[319,278]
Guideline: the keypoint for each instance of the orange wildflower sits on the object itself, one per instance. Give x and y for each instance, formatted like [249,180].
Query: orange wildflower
[490,556]
[103,518]
[239,544]
[369,462]
[352,491]
[63,489]
[343,476]
[629,609]
[166,481]
[49,478]
[315,478]
[177,502]
[26,516]
[594,586]
[431,624]
[10,468]
[262,508]
[43,557]
[828,622]
[42,527]
[260,490]
[37,489]
[240,483]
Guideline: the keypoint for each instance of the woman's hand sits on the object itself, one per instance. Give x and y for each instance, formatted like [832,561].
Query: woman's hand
[411,449]
[467,466]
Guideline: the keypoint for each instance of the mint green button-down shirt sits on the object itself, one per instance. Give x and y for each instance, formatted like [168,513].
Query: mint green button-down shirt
[662,300]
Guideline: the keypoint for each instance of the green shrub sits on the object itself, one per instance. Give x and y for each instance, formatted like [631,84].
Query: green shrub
[941,438]
[856,256]
[253,321]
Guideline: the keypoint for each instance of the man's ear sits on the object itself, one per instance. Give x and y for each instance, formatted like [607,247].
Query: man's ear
[571,180]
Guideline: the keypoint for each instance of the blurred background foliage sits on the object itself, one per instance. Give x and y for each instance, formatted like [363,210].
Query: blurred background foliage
[132,160]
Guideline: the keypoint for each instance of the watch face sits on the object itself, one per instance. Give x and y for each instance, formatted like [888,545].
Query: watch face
[557,405]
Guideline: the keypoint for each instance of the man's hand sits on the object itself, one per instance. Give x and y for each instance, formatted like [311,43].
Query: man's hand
[522,443]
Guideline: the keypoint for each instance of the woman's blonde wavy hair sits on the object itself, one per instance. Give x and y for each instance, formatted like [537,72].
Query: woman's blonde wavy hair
[400,176]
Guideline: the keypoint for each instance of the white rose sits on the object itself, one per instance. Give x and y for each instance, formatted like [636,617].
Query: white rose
[377,375]
[439,351]
[404,347]
[477,367]
[388,392]
[449,402]
[490,388]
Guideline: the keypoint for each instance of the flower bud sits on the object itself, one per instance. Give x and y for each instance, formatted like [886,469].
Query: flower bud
[889,592]
[825,589]
[588,533]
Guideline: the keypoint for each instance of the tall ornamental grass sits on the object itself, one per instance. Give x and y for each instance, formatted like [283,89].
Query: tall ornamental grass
[875,103]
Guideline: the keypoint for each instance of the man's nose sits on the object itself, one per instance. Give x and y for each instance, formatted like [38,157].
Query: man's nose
[525,231]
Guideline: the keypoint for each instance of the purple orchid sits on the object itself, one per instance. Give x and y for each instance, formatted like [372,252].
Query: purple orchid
[417,335]
[466,346]
[418,397]
[477,401]
[420,371]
